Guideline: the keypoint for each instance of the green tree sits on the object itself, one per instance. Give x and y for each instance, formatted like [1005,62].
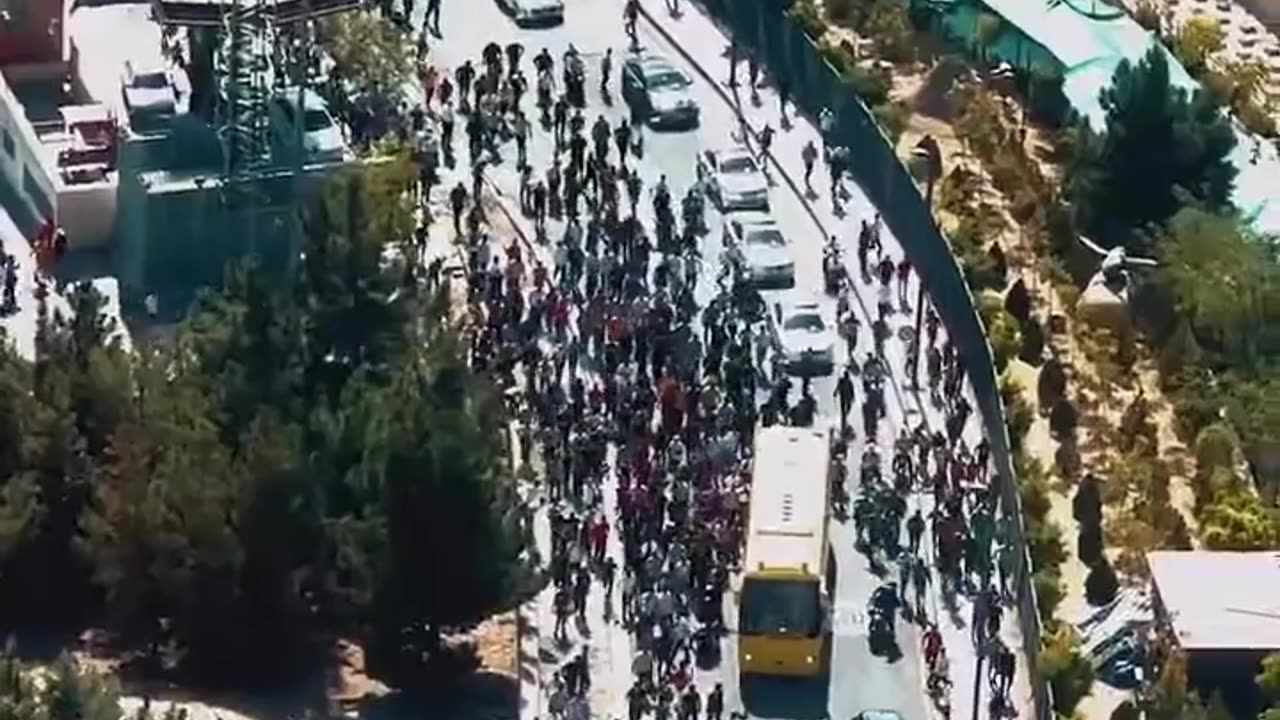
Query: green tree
[356,310]
[1268,678]
[1101,585]
[1066,669]
[369,53]
[1197,40]
[159,533]
[1159,146]
[455,537]
[1219,278]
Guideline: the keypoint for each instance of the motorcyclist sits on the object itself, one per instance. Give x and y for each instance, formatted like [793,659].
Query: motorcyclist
[803,413]
[884,607]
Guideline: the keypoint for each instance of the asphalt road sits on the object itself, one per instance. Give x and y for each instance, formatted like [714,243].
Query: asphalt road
[858,680]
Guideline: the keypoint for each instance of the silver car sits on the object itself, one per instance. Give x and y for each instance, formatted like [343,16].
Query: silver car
[763,250]
[659,92]
[734,179]
[805,341]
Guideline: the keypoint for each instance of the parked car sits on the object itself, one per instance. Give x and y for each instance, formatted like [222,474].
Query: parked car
[534,12]
[659,92]
[734,179]
[322,139]
[762,249]
[804,340]
[150,96]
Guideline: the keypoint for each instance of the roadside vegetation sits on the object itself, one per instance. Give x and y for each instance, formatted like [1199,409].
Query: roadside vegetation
[1158,431]
[304,463]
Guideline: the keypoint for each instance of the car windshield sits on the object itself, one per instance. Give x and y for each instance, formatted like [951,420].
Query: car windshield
[737,164]
[780,607]
[317,120]
[667,78]
[811,322]
[767,238]
[151,80]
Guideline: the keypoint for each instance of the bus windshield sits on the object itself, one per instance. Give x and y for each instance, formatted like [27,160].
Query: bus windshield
[780,607]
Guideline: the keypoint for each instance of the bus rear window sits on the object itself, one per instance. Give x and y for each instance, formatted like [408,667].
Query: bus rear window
[780,607]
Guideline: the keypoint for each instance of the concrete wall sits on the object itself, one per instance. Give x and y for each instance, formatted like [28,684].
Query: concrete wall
[28,189]
[88,214]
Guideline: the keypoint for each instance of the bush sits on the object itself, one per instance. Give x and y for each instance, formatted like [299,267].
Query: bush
[1086,504]
[1032,351]
[1048,588]
[1136,425]
[1002,330]
[1089,545]
[1215,448]
[1256,119]
[1045,544]
[1017,413]
[1063,419]
[1066,670]
[1101,586]
[838,10]
[893,117]
[871,84]
[806,15]
[841,57]
[890,29]
[1017,301]
[1051,386]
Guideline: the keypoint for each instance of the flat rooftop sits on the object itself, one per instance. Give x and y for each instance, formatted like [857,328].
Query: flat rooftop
[197,13]
[1220,600]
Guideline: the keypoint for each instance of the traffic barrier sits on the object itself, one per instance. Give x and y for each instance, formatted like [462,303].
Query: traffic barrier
[762,27]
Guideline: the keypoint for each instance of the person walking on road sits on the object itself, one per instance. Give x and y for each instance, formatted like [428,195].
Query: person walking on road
[630,15]
[432,18]
[826,126]
[715,702]
[673,7]
[753,76]
[765,138]
[458,201]
[606,70]
[809,155]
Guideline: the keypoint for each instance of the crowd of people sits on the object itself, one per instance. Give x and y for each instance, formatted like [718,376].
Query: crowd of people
[639,406]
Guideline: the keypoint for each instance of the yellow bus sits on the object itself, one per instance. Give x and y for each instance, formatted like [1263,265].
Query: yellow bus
[783,600]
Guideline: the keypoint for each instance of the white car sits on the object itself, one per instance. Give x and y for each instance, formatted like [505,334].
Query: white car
[764,251]
[734,179]
[535,12]
[805,340]
[322,139]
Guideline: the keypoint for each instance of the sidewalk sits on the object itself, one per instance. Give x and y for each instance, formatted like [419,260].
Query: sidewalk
[704,45]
